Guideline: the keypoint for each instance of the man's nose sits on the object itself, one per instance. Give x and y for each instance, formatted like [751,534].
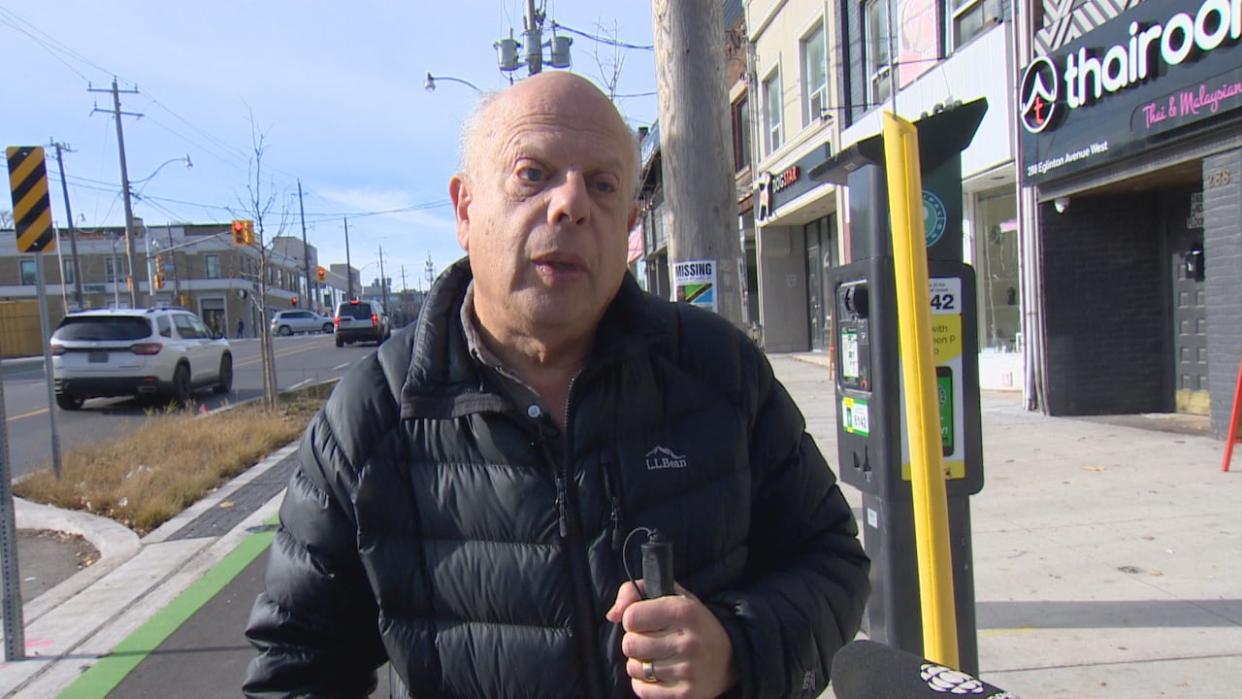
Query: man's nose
[570,202]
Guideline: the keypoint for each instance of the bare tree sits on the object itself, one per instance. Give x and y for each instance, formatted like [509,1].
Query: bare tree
[6,218]
[259,206]
[609,66]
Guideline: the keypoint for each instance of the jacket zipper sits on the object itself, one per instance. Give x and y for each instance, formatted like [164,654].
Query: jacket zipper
[571,534]
[614,502]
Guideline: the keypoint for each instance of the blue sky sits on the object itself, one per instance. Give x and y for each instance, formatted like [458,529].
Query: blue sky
[337,89]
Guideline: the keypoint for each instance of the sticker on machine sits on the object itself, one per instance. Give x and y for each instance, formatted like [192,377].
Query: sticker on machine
[855,417]
[851,367]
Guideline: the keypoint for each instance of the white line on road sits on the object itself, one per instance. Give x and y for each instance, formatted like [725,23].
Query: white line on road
[340,366]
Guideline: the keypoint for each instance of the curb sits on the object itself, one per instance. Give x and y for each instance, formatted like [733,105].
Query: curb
[83,618]
[116,545]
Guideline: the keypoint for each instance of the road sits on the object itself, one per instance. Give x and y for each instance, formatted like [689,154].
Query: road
[299,359]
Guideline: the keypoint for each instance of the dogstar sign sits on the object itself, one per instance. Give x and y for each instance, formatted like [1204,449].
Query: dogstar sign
[1154,72]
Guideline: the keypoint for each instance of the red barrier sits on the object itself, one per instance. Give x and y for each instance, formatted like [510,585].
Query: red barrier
[1231,434]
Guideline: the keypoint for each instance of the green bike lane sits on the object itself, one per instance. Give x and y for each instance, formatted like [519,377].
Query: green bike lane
[195,645]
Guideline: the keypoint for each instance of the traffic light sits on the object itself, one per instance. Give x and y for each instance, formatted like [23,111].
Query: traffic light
[159,280]
[293,301]
[243,232]
[321,273]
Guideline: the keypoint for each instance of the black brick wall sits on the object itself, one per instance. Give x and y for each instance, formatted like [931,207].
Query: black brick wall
[1222,247]
[1105,306]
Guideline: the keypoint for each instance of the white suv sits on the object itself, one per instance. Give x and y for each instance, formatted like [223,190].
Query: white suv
[290,322]
[128,352]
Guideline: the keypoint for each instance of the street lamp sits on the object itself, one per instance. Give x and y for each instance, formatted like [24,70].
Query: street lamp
[430,83]
[185,159]
[127,186]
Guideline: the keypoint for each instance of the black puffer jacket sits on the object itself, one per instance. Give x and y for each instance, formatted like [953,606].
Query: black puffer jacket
[433,522]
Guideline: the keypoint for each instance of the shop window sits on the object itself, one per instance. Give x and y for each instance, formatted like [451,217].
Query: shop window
[109,269]
[814,76]
[29,273]
[772,112]
[996,253]
[213,266]
[970,18]
[877,40]
[741,134]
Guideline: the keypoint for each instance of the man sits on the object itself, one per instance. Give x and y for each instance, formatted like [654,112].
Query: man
[460,504]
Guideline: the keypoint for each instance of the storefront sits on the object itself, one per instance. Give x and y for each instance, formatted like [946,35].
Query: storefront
[797,245]
[1132,135]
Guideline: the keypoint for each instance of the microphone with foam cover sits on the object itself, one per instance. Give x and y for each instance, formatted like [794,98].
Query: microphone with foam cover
[870,670]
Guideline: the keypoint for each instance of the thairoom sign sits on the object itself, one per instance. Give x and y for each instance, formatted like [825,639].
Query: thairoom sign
[1159,66]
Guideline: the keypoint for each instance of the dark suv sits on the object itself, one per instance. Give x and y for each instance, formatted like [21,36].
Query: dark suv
[360,321]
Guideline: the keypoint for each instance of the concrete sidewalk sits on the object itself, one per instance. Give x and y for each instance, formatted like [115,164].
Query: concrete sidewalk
[1106,559]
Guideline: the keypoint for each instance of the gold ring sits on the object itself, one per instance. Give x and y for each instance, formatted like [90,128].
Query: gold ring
[649,675]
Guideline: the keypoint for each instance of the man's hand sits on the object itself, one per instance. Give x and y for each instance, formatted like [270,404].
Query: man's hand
[688,650]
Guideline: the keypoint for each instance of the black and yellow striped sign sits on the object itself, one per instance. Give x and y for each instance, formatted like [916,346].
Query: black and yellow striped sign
[32,209]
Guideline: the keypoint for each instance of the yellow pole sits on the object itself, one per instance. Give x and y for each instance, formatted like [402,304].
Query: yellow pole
[931,513]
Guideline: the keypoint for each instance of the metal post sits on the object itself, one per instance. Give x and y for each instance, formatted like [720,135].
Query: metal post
[349,268]
[172,257]
[47,363]
[116,277]
[305,252]
[73,233]
[14,626]
[383,279]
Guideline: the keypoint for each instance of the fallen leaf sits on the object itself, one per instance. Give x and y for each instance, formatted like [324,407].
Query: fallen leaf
[1094,469]
[225,504]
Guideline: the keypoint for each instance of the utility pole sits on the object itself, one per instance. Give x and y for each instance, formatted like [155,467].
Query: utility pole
[129,209]
[694,141]
[403,287]
[73,232]
[383,280]
[311,295]
[533,38]
[430,269]
[349,266]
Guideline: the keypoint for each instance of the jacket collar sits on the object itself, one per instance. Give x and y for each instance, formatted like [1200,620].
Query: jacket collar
[445,381]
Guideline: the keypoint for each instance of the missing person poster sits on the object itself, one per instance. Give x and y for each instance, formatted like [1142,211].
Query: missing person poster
[694,282]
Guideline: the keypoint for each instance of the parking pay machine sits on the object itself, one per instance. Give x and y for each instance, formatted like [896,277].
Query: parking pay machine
[871,440]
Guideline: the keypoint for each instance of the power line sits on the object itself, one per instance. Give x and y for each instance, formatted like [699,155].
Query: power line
[233,150]
[635,94]
[47,48]
[49,43]
[602,40]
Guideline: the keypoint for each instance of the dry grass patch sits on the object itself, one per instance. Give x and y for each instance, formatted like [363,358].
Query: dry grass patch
[144,478]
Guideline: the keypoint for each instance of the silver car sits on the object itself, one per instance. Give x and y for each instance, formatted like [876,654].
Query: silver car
[290,322]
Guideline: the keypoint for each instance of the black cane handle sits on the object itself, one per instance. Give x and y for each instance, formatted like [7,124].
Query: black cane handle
[658,566]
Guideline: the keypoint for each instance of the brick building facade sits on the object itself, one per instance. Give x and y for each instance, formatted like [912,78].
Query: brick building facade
[201,270]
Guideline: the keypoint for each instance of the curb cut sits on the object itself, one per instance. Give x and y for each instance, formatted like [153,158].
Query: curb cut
[116,545]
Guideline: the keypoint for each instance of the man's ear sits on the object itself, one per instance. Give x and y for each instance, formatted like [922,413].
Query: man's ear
[459,193]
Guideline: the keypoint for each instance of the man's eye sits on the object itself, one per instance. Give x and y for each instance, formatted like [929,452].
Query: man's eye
[531,174]
[605,186]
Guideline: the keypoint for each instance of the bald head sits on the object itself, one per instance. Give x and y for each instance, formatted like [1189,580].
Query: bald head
[555,92]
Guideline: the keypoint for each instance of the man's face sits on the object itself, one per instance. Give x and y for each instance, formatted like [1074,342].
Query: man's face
[545,210]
